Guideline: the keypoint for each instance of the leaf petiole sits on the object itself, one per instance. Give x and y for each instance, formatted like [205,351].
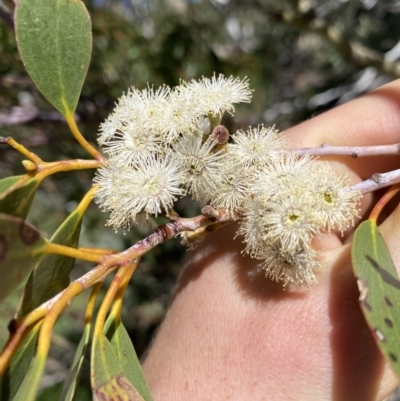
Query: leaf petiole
[120,281]
[383,202]
[81,140]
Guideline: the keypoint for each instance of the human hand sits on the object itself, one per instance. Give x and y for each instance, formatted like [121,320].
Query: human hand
[232,334]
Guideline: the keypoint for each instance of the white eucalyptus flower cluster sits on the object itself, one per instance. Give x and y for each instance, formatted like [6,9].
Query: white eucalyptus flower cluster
[163,144]
[293,199]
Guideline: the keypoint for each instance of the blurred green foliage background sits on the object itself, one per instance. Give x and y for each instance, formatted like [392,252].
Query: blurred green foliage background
[293,65]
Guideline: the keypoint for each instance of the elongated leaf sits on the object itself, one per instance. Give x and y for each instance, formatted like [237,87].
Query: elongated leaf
[21,247]
[107,378]
[51,275]
[379,287]
[16,195]
[6,183]
[29,387]
[124,351]
[54,41]
[72,381]
[15,373]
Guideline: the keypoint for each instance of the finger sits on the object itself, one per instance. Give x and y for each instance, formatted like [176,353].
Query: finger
[373,119]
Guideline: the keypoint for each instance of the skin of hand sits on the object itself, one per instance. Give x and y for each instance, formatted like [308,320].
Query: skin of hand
[231,334]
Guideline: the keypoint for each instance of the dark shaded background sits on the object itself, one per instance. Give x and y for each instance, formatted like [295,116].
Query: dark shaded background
[293,65]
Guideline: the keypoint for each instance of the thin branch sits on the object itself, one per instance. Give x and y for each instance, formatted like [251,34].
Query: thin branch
[377,181]
[98,251]
[52,248]
[352,151]
[107,264]
[47,169]
[21,149]
[41,169]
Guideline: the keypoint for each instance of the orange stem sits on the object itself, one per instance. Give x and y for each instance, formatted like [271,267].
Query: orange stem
[383,202]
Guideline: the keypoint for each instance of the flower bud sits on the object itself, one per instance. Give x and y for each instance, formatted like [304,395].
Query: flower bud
[29,166]
[220,134]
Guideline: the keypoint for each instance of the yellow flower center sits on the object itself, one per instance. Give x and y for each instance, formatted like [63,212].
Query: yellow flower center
[328,198]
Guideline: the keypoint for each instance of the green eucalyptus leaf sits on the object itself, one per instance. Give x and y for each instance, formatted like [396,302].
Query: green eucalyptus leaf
[107,377]
[51,275]
[16,195]
[7,182]
[21,248]
[30,384]
[19,365]
[379,287]
[71,382]
[54,41]
[124,351]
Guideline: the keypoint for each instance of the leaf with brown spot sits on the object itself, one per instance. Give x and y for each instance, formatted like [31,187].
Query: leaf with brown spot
[117,388]
[379,287]
[124,351]
[21,248]
[16,195]
[107,378]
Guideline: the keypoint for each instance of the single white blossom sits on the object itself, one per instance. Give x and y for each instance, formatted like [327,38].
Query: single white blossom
[150,187]
[252,227]
[335,203]
[105,179]
[146,104]
[256,147]
[297,266]
[232,188]
[290,220]
[216,95]
[284,174]
[132,145]
[135,110]
[178,116]
[199,164]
